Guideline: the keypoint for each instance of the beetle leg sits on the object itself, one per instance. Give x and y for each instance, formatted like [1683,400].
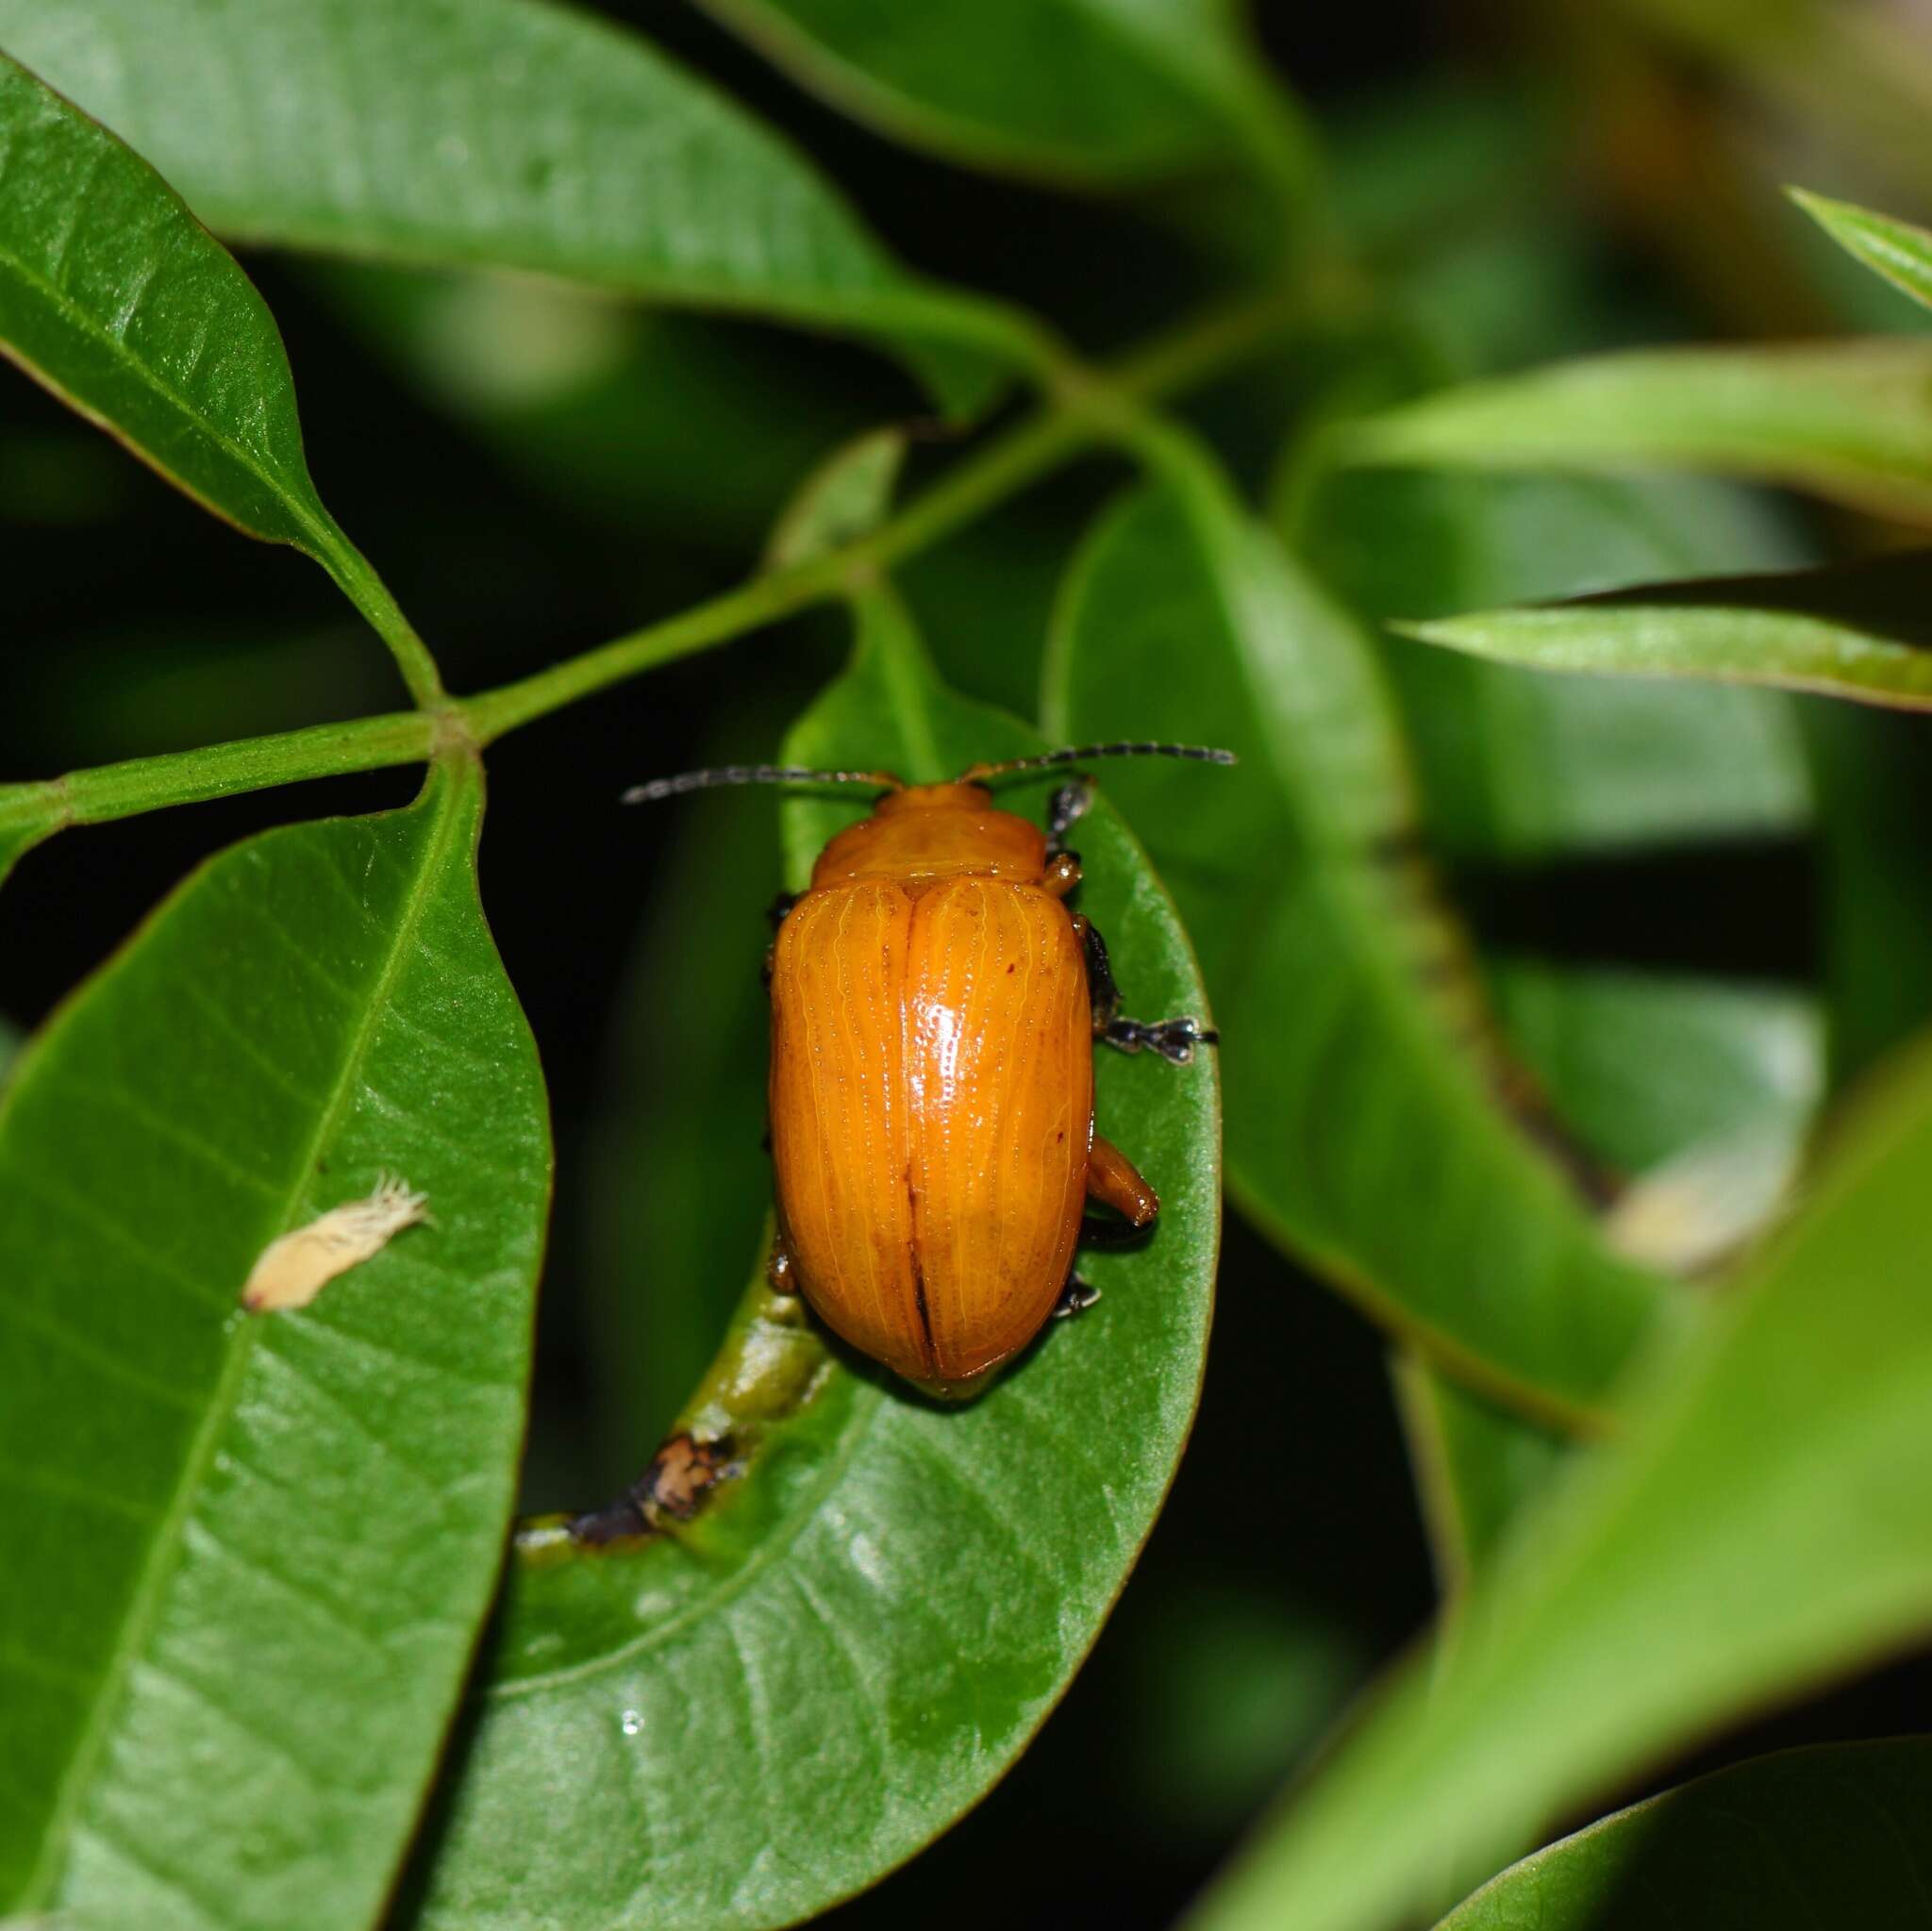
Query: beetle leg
[781,1276]
[1062,873]
[1113,1180]
[1172,1039]
[1075,1297]
[1068,805]
[781,905]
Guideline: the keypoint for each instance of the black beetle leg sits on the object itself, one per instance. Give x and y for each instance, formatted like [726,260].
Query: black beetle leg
[1068,805]
[781,905]
[1075,1297]
[1174,1040]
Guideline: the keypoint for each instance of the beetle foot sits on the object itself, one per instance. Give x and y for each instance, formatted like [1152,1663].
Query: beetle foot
[1174,1040]
[1075,1297]
[781,1276]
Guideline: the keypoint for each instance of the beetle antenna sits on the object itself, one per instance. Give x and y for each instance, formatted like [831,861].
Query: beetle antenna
[1079,753]
[659,787]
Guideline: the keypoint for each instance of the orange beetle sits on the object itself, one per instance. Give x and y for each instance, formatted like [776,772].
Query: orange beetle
[934,1009]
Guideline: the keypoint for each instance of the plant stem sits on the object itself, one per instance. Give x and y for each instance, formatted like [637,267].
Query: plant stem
[1084,408]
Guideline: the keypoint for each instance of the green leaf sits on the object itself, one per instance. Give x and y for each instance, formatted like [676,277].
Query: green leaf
[1078,92]
[847,495]
[1476,1465]
[1518,769]
[771,1707]
[1900,251]
[493,133]
[1750,1534]
[1850,420]
[1847,1822]
[1858,631]
[117,300]
[250,1552]
[1348,1088]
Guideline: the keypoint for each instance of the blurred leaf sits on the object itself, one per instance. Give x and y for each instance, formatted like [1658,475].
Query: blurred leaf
[1707,1089]
[600,402]
[251,1553]
[1899,251]
[493,133]
[1333,971]
[114,298]
[1852,421]
[776,1704]
[1077,92]
[1858,631]
[1875,791]
[1752,1531]
[1476,1466]
[845,497]
[1648,1066]
[1846,1822]
[1519,768]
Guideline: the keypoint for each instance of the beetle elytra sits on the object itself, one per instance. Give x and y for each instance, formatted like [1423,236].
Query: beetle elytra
[935,1005]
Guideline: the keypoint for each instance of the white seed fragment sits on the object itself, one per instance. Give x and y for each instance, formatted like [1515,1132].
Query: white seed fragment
[294,1269]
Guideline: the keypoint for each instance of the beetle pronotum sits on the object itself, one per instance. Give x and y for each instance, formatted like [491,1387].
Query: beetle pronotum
[934,1009]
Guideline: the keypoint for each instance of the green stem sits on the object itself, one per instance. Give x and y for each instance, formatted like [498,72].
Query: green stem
[1083,409]
[359,582]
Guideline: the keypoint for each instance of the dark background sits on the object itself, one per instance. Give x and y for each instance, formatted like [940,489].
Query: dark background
[1291,1560]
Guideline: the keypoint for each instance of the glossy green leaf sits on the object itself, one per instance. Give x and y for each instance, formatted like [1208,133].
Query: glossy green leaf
[1348,1087]
[1858,631]
[1072,91]
[117,300]
[249,1553]
[492,133]
[1900,251]
[1849,420]
[739,1723]
[1829,1836]
[1751,1532]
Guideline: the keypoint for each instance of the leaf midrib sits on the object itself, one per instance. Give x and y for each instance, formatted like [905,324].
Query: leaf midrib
[145,1604]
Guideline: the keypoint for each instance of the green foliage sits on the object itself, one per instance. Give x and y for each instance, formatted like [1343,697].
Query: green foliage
[1859,631]
[1744,1533]
[636,176]
[261,1544]
[1074,91]
[1845,1822]
[860,1706]
[1850,420]
[1341,930]
[254,1555]
[117,300]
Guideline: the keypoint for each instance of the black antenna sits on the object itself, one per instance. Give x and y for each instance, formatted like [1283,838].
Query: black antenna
[1079,753]
[659,787]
